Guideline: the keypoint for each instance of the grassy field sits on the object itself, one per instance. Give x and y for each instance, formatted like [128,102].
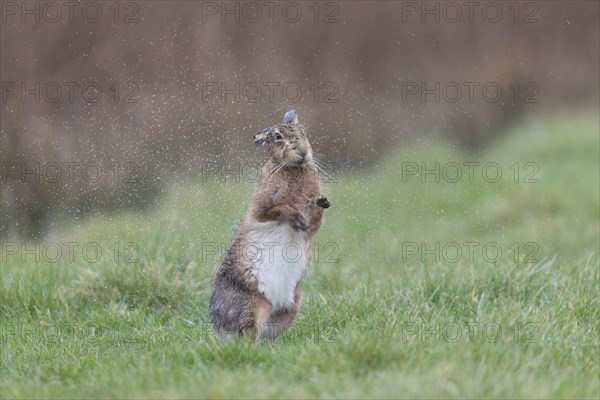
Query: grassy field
[474,288]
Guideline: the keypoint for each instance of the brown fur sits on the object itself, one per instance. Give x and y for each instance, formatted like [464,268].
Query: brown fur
[288,191]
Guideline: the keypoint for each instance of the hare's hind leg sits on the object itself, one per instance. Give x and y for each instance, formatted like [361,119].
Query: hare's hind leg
[282,320]
[260,314]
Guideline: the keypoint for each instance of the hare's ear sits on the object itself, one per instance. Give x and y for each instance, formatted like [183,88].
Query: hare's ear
[261,137]
[290,117]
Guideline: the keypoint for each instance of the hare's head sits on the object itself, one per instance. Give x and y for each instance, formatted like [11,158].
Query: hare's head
[287,143]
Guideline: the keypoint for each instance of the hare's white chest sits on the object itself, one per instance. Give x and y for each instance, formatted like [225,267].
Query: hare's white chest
[277,253]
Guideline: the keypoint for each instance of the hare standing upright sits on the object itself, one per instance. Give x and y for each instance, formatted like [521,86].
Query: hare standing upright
[256,289]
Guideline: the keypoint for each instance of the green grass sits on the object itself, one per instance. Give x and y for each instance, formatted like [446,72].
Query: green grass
[376,321]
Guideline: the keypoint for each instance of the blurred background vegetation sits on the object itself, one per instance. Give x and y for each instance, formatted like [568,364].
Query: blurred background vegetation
[154,123]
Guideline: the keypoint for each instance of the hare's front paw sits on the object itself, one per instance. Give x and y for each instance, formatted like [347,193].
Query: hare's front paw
[299,222]
[323,202]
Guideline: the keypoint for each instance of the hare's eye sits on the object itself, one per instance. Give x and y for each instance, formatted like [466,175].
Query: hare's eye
[278,136]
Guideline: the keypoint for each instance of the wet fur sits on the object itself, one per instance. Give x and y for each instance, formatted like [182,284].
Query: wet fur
[287,205]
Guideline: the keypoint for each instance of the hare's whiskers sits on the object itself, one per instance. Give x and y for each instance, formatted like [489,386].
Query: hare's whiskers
[322,169]
[279,167]
[271,171]
[320,164]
